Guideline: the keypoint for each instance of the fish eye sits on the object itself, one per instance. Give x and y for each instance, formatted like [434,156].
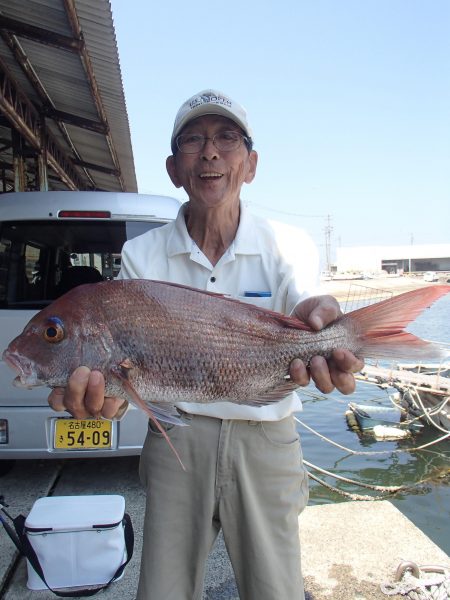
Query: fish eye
[54,332]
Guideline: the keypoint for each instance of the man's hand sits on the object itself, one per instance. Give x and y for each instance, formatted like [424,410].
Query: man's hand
[84,396]
[337,371]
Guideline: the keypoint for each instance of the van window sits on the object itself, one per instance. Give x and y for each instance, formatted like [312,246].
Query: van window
[40,260]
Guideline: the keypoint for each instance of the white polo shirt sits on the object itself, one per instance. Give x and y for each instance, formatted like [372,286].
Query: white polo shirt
[272,265]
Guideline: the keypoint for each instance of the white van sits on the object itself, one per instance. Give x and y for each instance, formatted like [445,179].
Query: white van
[49,243]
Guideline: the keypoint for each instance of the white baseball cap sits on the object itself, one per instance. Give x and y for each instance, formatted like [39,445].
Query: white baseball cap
[210,102]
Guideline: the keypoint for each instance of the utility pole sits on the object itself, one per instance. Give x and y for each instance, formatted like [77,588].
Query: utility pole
[328,229]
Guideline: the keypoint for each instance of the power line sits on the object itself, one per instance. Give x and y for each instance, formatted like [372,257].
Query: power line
[284,212]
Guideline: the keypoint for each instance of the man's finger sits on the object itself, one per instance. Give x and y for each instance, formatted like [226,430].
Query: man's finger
[75,393]
[95,394]
[344,360]
[298,372]
[320,374]
[344,382]
[318,311]
[111,407]
[56,399]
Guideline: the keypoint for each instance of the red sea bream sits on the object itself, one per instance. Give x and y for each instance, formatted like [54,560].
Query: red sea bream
[158,343]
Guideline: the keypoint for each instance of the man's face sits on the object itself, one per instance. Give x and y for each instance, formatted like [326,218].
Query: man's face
[212,177]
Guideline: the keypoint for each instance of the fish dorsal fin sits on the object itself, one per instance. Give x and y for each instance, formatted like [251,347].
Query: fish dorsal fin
[286,321]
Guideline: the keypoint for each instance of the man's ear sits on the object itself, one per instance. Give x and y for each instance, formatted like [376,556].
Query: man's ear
[252,161]
[172,171]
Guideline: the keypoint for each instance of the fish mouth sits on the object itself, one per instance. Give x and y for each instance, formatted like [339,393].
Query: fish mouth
[27,376]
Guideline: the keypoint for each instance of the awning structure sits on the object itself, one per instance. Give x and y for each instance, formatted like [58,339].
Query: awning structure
[63,118]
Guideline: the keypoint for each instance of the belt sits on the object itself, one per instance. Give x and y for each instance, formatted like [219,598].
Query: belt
[189,417]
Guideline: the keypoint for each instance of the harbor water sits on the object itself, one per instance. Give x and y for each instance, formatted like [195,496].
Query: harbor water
[426,473]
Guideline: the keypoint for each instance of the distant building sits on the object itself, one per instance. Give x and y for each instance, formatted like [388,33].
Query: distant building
[394,259]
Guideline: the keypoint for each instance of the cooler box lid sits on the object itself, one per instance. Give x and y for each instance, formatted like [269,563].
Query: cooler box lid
[72,513]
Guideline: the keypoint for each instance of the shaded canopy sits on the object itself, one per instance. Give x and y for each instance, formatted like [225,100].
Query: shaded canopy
[63,121]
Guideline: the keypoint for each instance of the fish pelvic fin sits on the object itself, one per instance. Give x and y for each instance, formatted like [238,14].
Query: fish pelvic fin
[167,414]
[381,325]
[274,395]
[119,373]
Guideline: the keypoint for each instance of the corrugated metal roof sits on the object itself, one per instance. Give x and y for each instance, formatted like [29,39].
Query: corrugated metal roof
[38,62]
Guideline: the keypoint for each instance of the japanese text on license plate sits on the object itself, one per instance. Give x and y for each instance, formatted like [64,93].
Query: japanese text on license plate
[82,434]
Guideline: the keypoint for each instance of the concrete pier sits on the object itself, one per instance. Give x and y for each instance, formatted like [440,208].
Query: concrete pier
[348,549]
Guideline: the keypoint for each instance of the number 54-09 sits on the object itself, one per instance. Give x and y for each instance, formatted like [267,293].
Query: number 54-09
[96,438]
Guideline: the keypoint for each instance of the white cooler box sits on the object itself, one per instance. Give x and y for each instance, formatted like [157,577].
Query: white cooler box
[79,540]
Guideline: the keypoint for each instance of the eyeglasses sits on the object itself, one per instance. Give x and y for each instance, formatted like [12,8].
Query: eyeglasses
[225,141]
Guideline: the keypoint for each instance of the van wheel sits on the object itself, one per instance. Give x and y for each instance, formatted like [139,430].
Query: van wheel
[6,466]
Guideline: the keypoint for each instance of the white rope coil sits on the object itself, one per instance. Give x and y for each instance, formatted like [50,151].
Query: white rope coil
[419,583]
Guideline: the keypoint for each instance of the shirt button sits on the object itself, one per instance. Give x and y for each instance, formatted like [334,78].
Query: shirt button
[213,279]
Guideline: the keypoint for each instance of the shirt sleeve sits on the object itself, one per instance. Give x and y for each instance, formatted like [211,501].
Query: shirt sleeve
[298,268]
[129,268]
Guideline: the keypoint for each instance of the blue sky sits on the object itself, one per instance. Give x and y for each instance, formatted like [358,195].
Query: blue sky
[349,101]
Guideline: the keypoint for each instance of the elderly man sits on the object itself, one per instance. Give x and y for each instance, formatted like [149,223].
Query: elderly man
[244,470]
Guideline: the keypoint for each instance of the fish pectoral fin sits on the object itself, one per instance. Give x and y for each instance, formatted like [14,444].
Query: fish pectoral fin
[165,412]
[140,403]
[274,395]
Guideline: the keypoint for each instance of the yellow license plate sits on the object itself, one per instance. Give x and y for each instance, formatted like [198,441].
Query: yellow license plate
[82,434]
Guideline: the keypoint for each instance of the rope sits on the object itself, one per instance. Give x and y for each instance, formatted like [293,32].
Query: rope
[349,450]
[373,452]
[387,489]
[428,582]
[341,492]
[428,413]
[392,489]
[414,395]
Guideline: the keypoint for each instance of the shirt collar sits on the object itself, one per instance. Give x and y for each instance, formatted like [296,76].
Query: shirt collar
[245,241]
[180,242]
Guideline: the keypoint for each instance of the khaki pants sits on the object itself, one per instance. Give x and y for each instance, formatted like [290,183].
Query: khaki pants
[244,476]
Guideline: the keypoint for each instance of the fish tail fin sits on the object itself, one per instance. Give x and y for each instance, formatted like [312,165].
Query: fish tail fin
[381,325]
